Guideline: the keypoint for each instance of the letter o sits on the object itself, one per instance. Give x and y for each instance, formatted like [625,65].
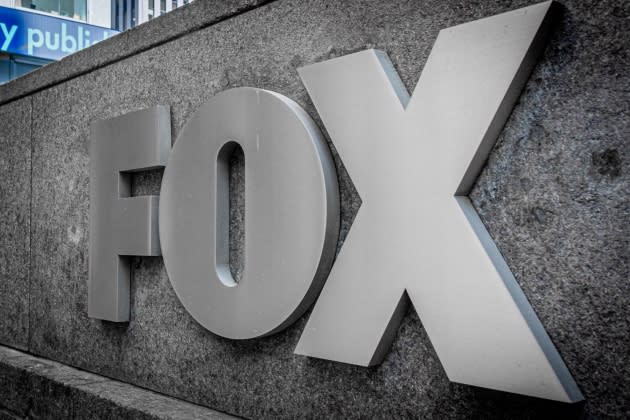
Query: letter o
[291,213]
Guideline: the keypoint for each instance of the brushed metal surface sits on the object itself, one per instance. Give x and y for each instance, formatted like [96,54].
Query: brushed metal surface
[121,225]
[291,213]
[413,161]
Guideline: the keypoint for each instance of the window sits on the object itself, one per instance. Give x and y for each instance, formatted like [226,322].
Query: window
[12,66]
[5,68]
[162,6]
[75,9]
[116,23]
[125,14]
[174,4]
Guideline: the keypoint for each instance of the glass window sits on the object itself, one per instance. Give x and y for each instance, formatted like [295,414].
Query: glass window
[151,5]
[162,6]
[12,66]
[80,10]
[5,68]
[66,8]
[20,68]
[133,13]
[117,16]
[75,9]
[174,4]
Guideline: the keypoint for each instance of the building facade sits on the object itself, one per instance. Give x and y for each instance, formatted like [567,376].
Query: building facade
[92,20]
[94,12]
[83,15]
[128,13]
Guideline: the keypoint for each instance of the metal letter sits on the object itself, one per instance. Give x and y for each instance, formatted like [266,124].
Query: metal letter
[121,225]
[413,161]
[291,213]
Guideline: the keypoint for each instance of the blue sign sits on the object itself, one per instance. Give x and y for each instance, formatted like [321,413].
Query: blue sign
[42,36]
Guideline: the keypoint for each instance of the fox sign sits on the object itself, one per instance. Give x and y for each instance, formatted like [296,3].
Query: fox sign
[429,248]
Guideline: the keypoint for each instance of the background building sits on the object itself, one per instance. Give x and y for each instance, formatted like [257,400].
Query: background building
[129,13]
[94,12]
[87,21]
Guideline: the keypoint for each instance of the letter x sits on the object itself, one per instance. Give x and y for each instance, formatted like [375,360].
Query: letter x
[413,161]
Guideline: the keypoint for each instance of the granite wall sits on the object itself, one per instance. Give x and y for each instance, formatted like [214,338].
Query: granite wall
[555,195]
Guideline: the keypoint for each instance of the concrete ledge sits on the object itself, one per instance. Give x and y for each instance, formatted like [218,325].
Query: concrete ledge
[32,387]
[192,17]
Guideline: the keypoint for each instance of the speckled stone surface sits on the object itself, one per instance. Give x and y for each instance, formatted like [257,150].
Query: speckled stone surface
[15,203]
[36,388]
[554,195]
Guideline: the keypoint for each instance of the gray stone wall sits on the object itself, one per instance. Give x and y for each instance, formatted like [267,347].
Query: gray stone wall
[15,219]
[36,388]
[555,195]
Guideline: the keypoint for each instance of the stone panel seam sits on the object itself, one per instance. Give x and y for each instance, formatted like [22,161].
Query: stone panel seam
[30,226]
[107,63]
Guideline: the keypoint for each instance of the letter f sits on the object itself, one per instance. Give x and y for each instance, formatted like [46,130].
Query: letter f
[120,225]
[414,161]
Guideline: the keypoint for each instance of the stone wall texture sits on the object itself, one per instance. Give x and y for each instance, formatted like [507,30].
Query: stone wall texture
[555,196]
[36,388]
